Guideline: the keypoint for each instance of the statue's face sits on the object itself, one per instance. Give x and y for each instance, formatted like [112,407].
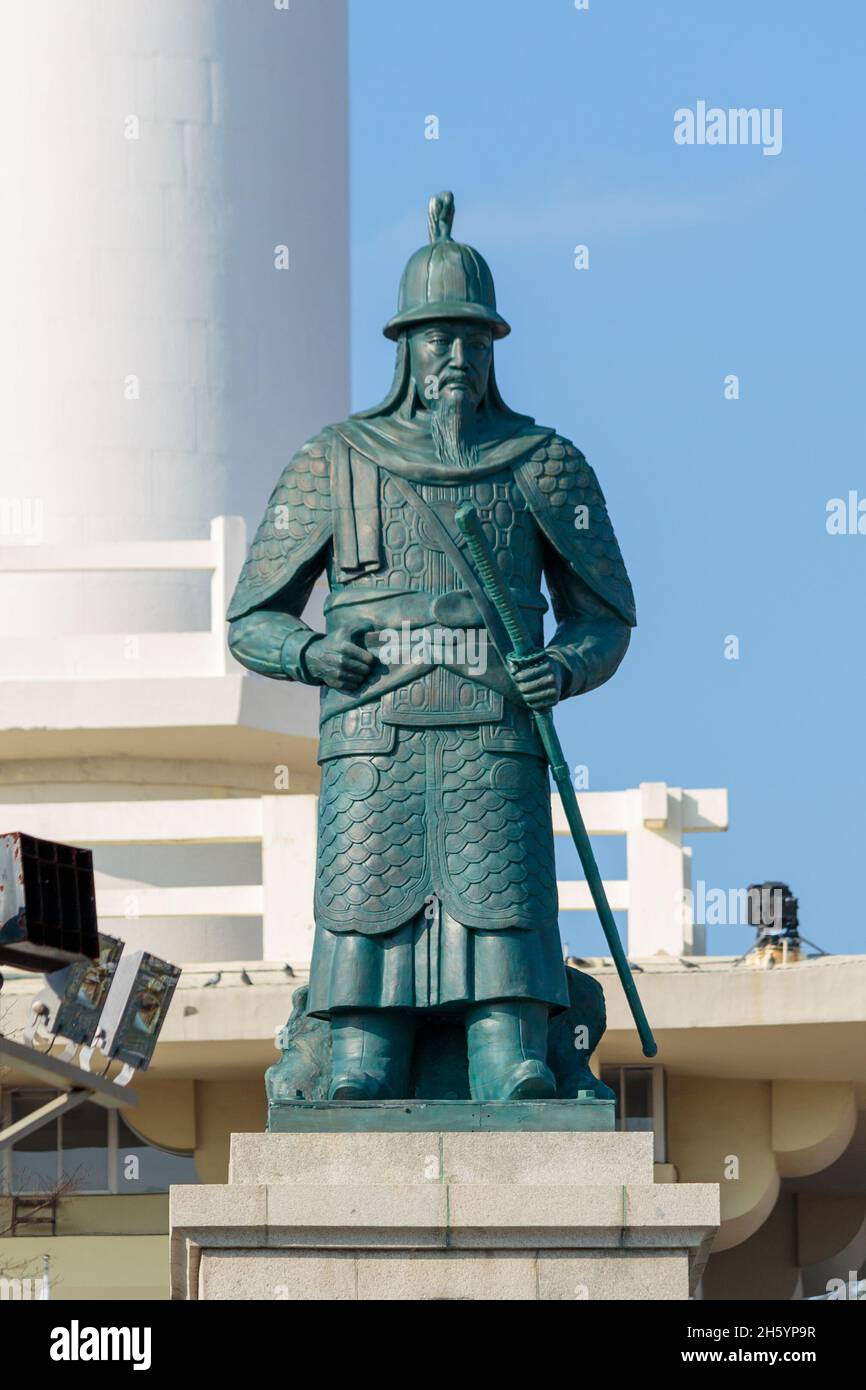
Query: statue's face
[450,362]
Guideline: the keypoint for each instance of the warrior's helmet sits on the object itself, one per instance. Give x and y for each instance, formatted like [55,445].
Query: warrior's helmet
[445,280]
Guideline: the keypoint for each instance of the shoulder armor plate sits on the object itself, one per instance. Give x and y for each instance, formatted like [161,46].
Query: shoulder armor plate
[296,524]
[557,480]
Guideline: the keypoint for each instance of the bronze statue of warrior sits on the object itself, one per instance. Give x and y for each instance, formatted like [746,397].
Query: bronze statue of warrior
[436,882]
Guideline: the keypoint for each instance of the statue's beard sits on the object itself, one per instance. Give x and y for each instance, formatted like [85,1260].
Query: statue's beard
[452,425]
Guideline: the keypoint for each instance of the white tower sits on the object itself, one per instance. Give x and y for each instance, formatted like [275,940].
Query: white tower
[175,323]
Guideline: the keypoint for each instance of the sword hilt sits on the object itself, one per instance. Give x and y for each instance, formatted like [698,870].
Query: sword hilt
[495,586]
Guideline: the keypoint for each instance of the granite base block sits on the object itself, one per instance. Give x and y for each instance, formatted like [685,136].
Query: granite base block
[448,1213]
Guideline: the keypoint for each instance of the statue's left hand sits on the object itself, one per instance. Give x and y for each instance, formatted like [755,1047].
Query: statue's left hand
[539,679]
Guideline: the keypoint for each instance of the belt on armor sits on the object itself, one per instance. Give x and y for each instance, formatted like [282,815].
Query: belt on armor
[391,607]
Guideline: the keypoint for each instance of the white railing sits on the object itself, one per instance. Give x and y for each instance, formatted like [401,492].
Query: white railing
[657,891]
[124,655]
[653,818]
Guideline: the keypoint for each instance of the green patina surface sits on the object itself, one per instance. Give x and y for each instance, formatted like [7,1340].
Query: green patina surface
[452,1116]
[437,970]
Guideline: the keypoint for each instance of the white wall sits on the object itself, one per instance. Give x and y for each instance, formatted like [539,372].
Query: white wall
[153,257]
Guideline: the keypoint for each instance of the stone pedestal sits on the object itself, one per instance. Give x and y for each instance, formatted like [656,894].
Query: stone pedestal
[486,1213]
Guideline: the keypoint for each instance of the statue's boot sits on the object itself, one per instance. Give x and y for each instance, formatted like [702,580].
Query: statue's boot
[371,1050]
[507,1046]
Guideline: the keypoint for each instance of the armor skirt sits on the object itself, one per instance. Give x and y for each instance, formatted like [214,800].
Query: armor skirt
[436,878]
[459,814]
[435,962]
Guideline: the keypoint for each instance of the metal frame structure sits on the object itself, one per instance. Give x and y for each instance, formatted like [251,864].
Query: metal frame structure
[74,1084]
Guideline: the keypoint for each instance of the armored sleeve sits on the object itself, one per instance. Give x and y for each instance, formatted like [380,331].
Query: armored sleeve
[590,638]
[267,633]
[589,586]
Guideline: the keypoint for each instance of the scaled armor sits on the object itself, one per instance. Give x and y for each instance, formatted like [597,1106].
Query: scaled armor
[436,882]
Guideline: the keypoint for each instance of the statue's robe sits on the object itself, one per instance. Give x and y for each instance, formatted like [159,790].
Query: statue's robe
[436,882]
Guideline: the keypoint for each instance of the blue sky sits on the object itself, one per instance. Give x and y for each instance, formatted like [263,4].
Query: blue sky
[556,128]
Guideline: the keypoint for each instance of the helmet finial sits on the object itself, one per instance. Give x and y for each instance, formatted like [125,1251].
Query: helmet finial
[445,279]
[440,216]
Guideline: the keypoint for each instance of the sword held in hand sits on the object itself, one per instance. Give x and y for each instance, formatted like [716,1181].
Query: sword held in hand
[500,596]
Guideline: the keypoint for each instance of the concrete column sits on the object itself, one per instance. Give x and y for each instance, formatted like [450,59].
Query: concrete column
[157,364]
[288,877]
[659,874]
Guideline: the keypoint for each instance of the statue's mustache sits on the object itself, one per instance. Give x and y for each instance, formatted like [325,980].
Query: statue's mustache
[457,377]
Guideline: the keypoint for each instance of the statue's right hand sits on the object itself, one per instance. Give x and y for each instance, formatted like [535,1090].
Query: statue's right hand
[339,663]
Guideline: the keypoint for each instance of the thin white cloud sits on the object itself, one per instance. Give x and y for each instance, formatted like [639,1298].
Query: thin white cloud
[565,215]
